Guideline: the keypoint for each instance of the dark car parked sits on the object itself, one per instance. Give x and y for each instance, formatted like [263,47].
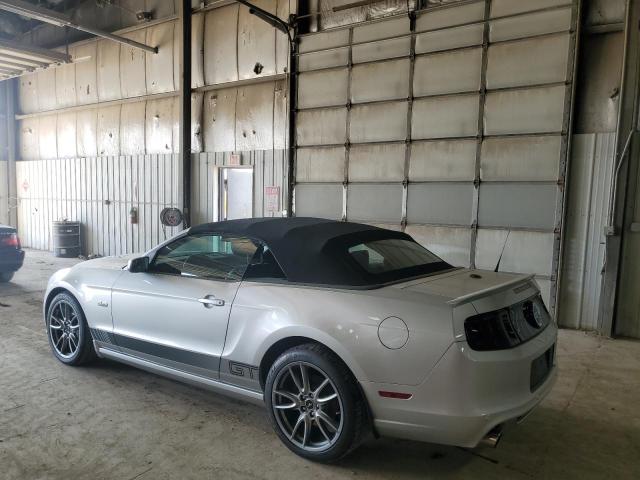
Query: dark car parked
[11,253]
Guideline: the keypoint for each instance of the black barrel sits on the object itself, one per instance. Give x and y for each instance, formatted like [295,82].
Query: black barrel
[66,239]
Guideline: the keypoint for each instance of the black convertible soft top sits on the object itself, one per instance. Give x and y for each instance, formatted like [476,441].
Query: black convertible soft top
[314,250]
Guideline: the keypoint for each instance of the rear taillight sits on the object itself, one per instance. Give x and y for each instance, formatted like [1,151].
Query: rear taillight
[507,327]
[10,240]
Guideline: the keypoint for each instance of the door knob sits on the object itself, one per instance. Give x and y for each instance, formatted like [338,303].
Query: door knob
[210,301]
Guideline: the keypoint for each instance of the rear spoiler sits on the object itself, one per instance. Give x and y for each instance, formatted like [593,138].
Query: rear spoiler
[520,280]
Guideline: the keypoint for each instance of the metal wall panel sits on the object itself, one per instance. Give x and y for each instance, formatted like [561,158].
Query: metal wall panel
[65,85]
[47,130]
[159,126]
[66,135]
[440,203]
[219,120]
[29,139]
[450,72]
[109,130]
[380,122]
[374,202]
[256,43]
[86,80]
[87,133]
[4,194]
[221,45]
[108,74]
[196,122]
[443,160]
[593,156]
[197,49]
[444,117]
[46,86]
[132,128]
[377,163]
[254,117]
[133,81]
[159,65]
[28,93]
[324,164]
[544,107]
[378,81]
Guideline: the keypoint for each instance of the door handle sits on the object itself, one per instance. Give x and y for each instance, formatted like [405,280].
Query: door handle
[210,301]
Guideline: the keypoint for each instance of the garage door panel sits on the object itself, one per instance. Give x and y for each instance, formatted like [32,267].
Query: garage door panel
[381,122]
[371,163]
[517,205]
[450,38]
[528,62]
[534,110]
[382,29]
[377,202]
[321,127]
[452,244]
[323,89]
[324,164]
[444,117]
[539,23]
[447,17]
[319,200]
[450,72]
[500,8]
[380,81]
[521,158]
[324,40]
[443,160]
[324,59]
[522,251]
[440,203]
[381,50]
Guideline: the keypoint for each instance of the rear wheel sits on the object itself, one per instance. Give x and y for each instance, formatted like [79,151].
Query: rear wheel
[6,277]
[314,403]
[68,332]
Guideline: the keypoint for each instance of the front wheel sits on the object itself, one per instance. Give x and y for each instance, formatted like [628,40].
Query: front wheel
[6,277]
[68,332]
[314,403]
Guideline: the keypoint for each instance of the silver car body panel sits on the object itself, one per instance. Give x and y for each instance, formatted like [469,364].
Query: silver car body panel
[156,322]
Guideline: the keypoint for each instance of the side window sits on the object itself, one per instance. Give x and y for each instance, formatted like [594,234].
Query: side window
[212,256]
[264,266]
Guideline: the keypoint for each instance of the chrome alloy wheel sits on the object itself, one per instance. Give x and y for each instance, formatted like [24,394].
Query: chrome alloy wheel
[64,329]
[307,406]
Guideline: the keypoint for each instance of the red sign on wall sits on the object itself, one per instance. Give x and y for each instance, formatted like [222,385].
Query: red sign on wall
[272,199]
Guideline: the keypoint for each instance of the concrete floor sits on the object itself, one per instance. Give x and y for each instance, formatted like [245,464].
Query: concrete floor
[113,421]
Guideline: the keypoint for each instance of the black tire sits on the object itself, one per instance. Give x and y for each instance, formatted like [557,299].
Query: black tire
[84,353]
[354,424]
[6,276]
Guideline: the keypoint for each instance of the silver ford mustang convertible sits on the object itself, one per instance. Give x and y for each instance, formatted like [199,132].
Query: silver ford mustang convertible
[340,329]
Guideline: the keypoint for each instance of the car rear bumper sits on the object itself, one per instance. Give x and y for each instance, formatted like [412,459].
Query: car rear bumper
[466,395]
[11,260]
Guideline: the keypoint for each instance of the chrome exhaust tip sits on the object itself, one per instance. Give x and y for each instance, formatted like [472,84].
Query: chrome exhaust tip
[492,438]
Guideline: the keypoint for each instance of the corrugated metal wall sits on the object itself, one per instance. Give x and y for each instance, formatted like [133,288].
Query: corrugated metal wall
[454,131]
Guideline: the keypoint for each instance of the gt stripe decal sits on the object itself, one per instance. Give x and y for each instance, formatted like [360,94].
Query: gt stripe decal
[200,360]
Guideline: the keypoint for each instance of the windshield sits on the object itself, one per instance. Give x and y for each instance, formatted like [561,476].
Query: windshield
[394,259]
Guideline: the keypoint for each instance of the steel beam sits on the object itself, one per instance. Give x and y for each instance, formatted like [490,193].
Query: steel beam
[26,62]
[185,110]
[15,65]
[30,52]
[29,10]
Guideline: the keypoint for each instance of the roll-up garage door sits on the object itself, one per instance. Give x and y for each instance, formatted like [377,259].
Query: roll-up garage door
[449,123]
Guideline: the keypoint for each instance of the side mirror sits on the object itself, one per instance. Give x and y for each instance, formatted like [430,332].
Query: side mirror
[138,265]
